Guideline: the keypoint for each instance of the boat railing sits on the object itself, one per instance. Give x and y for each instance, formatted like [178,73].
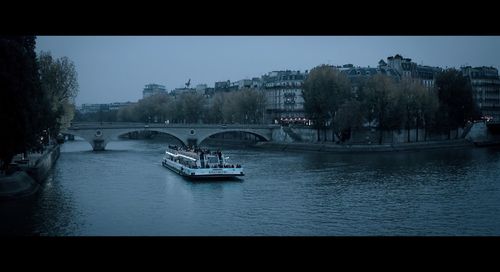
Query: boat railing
[196,155]
[184,152]
[188,153]
[177,154]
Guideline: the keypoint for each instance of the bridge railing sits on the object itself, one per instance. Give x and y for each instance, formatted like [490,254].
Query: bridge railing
[91,125]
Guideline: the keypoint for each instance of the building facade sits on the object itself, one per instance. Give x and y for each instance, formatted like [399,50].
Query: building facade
[357,75]
[425,75]
[178,91]
[119,105]
[152,89]
[91,108]
[201,88]
[222,86]
[284,101]
[485,84]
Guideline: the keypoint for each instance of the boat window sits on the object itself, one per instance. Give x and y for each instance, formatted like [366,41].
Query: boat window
[212,159]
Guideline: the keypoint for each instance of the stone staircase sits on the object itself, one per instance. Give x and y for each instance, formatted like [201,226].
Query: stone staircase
[296,137]
[467,129]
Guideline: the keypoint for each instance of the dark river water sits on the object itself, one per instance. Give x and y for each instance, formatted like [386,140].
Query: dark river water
[126,191]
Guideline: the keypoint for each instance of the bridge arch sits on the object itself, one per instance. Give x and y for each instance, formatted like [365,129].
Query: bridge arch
[177,137]
[256,133]
[88,138]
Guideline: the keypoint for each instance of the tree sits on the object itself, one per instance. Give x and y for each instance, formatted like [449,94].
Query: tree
[348,118]
[324,91]
[249,106]
[23,105]
[153,108]
[380,99]
[409,92]
[456,104]
[230,108]
[215,113]
[427,104]
[175,111]
[127,114]
[193,107]
[59,81]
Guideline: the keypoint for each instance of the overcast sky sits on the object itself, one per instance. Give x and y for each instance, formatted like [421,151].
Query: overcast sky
[116,68]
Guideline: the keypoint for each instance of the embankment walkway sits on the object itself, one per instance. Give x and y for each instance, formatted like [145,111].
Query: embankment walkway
[365,148]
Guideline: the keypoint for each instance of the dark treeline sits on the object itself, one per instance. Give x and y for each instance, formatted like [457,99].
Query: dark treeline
[332,101]
[244,107]
[36,96]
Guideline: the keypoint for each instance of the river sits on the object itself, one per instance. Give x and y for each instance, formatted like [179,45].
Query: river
[125,191]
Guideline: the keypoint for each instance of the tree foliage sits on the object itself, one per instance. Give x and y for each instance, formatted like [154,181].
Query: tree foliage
[35,98]
[325,90]
[157,108]
[382,103]
[59,81]
[422,109]
[215,114]
[193,107]
[456,104]
[349,117]
[24,108]
[244,107]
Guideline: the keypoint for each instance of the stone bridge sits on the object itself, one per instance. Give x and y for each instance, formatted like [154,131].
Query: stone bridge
[99,134]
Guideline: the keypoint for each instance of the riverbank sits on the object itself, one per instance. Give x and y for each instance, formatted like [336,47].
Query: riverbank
[367,148]
[16,185]
[31,173]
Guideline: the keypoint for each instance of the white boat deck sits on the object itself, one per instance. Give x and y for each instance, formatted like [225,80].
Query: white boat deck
[200,164]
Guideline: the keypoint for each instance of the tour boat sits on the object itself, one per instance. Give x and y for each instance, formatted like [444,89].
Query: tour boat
[197,163]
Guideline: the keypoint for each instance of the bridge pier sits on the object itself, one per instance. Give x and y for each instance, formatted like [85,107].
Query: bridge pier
[98,145]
